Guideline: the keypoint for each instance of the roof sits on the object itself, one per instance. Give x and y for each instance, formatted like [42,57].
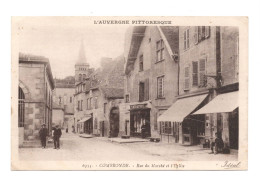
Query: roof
[169,34]
[115,93]
[29,58]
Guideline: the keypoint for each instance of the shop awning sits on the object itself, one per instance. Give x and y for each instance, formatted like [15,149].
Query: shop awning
[227,102]
[182,108]
[84,119]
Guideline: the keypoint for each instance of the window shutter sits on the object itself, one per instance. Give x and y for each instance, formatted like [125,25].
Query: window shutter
[186,79]
[202,71]
[188,39]
[207,31]
[196,36]
[146,89]
[184,40]
[195,73]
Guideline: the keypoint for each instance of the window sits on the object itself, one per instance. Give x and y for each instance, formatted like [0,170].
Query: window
[78,106]
[21,107]
[194,73]
[141,91]
[70,99]
[141,63]
[59,100]
[186,39]
[105,108]
[159,50]
[166,127]
[127,98]
[187,78]
[90,103]
[202,72]
[160,87]
[81,104]
[201,33]
[96,102]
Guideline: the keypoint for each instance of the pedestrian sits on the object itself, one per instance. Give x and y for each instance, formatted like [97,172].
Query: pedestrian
[43,134]
[56,137]
[218,144]
[143,130]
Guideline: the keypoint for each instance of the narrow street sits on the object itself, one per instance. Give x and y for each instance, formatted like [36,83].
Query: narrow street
[74,147]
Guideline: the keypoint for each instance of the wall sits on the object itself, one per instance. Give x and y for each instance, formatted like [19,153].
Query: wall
[32,83]
[152,70]
[229,54]
[57,117]
[65,94]
[204,49]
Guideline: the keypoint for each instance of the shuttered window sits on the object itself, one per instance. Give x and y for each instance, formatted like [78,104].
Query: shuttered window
[202,72]
[141,63]
[186,39]
[160,87]
[194,73]
[207,31]
[196,35]
[159,50]
[187,78]
[141,91]
[146,89]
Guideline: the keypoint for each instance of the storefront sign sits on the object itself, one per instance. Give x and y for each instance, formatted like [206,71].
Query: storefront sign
[138,106]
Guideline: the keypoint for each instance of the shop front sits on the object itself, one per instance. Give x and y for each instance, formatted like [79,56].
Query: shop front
[222,117]
[178,123]
[140,121]
[85,125]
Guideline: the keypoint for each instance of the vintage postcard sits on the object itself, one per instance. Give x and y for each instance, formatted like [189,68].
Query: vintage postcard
[129,93]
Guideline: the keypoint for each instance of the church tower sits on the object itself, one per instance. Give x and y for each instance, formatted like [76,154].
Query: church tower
[81,66]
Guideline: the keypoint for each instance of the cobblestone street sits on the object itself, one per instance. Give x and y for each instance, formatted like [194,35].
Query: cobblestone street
[74,147]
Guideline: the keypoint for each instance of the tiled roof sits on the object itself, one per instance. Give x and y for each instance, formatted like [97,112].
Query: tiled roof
[113,92]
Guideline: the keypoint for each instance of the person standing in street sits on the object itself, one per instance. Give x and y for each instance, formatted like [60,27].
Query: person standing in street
[56,137]
[43,134]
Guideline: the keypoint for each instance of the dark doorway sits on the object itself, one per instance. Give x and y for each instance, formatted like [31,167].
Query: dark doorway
[88,126]
[114,122]
[233,129]
[102,128]
[139,118]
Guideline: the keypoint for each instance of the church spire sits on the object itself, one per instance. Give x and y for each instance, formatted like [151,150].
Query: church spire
[82,57]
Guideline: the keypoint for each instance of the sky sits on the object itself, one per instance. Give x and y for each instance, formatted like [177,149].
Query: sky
[59,39]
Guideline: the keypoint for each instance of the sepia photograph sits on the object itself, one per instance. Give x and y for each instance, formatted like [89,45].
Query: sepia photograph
[129,93]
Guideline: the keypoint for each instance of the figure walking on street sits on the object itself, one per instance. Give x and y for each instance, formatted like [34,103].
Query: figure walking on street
[43,134]
[56,137]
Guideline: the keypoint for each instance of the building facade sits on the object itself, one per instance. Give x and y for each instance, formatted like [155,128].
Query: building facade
[151,78]
[98,96]
[63,95]
[35,96]
[208,61]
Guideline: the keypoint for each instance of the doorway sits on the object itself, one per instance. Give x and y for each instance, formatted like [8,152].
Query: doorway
[234,130]
[114,122]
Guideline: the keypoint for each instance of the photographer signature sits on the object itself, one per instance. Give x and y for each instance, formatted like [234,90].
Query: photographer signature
[230,165]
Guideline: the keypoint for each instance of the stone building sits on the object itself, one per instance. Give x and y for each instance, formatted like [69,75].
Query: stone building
[208,86]
[35,96]
[98,98]
[63,95]
[151,78]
